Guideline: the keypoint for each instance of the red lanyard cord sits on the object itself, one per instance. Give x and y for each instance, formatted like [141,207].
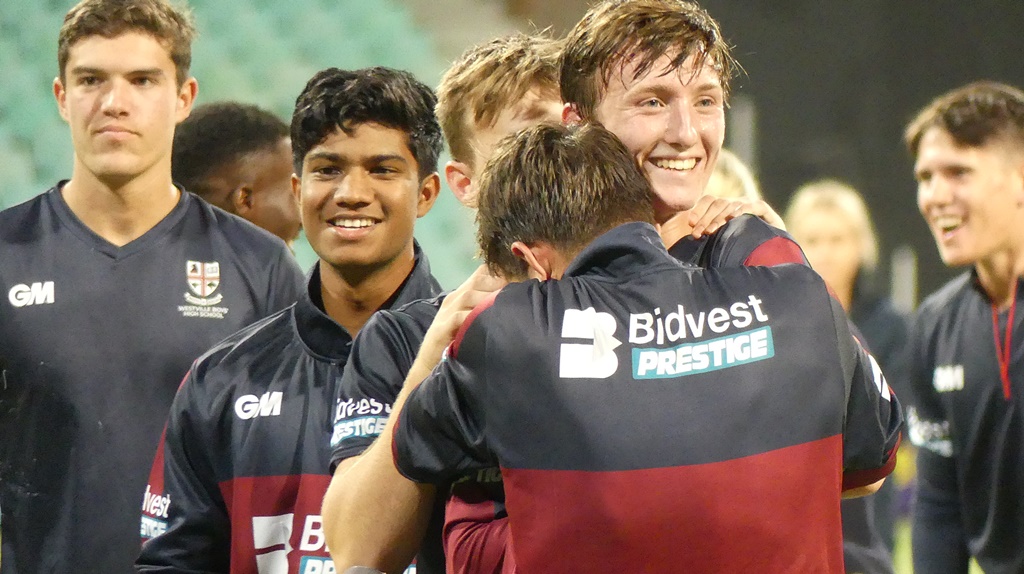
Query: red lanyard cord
[1003,352]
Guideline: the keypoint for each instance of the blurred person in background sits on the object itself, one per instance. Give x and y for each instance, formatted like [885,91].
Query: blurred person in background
[967,362]
[239,158]
[830,221]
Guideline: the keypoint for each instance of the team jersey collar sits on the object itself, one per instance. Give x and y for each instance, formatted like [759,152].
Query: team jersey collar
[325,337]
[101,245]
[622,251]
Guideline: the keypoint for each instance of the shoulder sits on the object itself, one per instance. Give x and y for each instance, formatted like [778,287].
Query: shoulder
[241,351]
[942,300]
[22,223]
[748,240]
[236,230]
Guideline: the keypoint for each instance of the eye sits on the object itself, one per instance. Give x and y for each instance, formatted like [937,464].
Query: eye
[88,80]
[143,81]
[325,171]
[384,170]
[652,103]
[707,102]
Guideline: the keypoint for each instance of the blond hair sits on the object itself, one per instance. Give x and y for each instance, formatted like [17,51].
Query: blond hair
[731,178]
[488,79]
[835,195]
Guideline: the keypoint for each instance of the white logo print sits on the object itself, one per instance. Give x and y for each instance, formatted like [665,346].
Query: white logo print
[595,360]
[36,294]
[271,536]
[250,406]
[948,378]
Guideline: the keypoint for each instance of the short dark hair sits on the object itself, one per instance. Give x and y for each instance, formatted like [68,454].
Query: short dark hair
[342,99]
[972,115]
[561,185]
[612,32]
[173,27]
[218,133]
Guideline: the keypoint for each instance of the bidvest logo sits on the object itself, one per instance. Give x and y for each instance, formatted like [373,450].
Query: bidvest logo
[250,406]
[40,293]
[154,514]
[594,359]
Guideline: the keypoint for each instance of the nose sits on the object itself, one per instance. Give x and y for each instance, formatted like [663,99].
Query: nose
[354,190]
[933,192]
[681,128]
[115,101]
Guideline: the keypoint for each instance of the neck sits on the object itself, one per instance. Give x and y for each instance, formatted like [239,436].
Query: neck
[351,296]
[120,211]
[998,276]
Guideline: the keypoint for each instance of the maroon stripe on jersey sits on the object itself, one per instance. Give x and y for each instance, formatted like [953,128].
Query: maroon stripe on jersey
[772,512]
[288,522]
[860,478]
[476,540]
[775,251]
[453,349]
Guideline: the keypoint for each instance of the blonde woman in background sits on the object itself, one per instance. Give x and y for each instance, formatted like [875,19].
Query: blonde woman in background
[830,221]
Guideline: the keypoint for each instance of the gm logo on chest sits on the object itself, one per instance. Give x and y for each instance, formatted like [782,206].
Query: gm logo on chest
[250,406]
[40,293]
[948,378]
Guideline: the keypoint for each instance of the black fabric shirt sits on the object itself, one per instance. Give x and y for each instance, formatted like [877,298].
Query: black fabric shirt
[94,340]
[635,391]
[238,482]
[969,428]
[386,347]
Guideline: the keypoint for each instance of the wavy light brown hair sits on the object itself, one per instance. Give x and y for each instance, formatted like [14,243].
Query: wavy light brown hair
[563,186]
[173,27]
[615,32]
[488,79]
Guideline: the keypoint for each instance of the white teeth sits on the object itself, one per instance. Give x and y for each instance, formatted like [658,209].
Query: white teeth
[676,164]
[948,222]
[352,223]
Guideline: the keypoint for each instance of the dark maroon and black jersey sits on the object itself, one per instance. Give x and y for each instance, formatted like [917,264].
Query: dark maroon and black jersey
[651,416]
[743,241]
[94,340]
[238,482]
[966,418]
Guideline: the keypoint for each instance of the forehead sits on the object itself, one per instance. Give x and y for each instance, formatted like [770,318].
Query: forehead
[365,140]
[124,52]
[937,147]
[622,77]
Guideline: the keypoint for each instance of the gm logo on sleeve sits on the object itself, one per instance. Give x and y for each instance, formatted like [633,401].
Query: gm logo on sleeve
[595,358]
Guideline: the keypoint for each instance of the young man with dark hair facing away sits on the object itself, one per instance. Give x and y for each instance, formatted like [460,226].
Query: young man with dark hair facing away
[239,157]
[964,413]
[114,281]
[238,482]
[547,380]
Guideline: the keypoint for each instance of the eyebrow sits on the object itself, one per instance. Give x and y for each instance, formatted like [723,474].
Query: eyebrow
[83,70]
[338,158]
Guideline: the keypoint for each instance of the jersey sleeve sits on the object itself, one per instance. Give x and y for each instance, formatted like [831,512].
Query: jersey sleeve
[381,357]
[874,418]
[286,281]
[185,524]
[439,435]
[749,241]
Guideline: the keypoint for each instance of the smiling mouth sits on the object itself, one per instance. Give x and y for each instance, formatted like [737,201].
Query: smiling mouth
[350,223]
[676,164]
[948,224]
